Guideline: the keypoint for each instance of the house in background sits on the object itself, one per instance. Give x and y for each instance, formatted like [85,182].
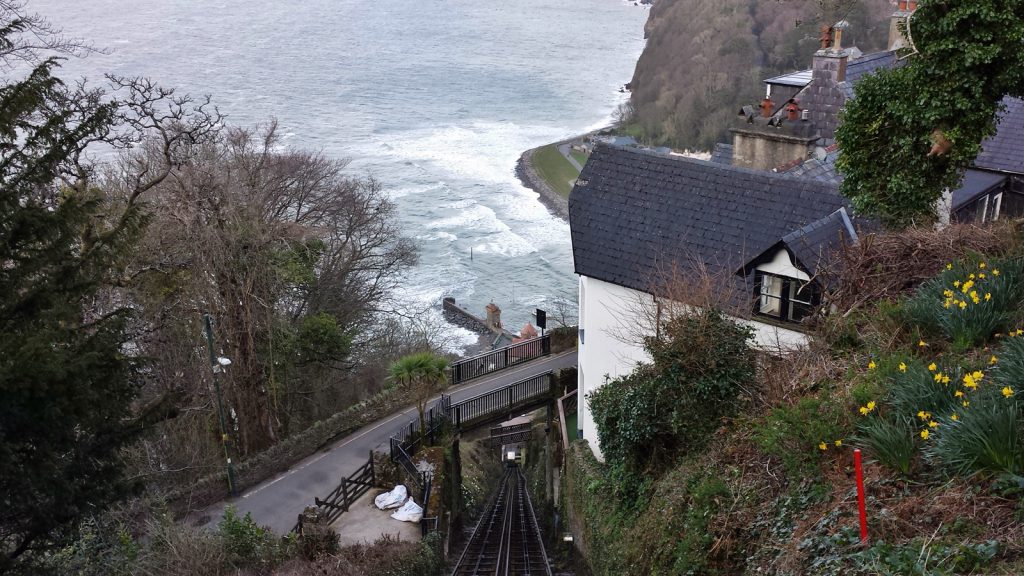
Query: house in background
[762,216]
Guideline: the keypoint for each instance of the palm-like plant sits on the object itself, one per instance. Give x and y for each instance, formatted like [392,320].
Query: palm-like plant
[423,375]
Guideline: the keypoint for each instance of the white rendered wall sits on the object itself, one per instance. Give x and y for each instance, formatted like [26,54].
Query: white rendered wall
[608,316]
[609,319]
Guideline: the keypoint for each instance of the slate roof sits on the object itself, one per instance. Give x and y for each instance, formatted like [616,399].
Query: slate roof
[634,213]
[975,184]
[815,240]
[869,63]
[823,169]
[722,154]
[1005,150]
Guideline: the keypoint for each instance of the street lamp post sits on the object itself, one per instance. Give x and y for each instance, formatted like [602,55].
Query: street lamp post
[216,367]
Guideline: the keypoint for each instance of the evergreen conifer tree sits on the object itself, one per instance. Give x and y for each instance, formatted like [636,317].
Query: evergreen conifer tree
[66,376]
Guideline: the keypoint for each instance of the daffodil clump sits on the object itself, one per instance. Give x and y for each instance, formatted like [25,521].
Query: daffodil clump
[969,301]
[961,419]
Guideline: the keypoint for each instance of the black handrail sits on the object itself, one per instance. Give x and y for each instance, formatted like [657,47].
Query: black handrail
[500,359]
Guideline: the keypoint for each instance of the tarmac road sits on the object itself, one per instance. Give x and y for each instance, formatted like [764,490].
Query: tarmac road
[278,501]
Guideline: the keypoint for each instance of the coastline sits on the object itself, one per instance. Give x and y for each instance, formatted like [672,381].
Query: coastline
[527,174]
[529,177]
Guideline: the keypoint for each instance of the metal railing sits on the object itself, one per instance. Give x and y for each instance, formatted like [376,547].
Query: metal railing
[488,405]
[500,359]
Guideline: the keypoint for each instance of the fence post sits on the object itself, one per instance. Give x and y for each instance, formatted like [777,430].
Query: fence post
[545,345]
[344,494]
[373,469]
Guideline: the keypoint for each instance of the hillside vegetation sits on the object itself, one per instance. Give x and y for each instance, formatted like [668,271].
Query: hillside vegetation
[926,380]
[704,60]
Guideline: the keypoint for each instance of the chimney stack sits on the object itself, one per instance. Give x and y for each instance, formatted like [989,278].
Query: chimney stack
[899,18]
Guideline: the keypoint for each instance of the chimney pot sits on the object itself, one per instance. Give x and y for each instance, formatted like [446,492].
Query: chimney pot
[767,107]
[793,110]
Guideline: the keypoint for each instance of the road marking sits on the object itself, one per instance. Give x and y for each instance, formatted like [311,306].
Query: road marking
[397,415]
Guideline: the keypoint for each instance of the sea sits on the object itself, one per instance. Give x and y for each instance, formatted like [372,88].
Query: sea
[436,99]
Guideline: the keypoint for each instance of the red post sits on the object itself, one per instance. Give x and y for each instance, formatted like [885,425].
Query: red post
[860,498]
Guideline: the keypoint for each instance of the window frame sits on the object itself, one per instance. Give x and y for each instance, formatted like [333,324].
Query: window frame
[790,308]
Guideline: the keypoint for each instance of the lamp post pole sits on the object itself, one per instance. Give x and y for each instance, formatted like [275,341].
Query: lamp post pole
[224,437]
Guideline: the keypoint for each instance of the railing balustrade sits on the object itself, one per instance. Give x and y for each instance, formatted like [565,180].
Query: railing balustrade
[500,359]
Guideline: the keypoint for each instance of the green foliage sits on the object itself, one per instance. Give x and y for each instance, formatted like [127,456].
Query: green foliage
[65,380]
[986,436]
[428,559]
[793,433]
[320,339]
[649,418]
[422,374]
[707,495]
[890,440]
[967,60]
[839,554]
[250,545]
[101,548]
[969,303]
[916,389]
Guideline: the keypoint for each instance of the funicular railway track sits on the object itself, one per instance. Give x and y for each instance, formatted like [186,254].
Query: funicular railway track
[507,539]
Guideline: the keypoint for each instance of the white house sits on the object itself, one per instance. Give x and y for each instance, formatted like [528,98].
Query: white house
[634,212]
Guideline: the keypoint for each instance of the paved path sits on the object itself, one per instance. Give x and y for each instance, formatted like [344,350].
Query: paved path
[277,502]
[566,150]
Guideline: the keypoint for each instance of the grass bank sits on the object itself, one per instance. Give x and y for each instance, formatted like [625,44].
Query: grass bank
[552,166]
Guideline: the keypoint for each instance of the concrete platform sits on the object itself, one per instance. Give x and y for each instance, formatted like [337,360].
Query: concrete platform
[364,523]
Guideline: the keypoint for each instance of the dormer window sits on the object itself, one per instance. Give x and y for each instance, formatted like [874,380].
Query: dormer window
[784,298]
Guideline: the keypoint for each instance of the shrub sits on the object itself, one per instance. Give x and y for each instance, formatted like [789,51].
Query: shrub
[647,419]
[970,301]
[890,440]
[248,544]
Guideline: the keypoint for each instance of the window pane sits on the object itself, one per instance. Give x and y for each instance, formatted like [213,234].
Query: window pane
[771,295]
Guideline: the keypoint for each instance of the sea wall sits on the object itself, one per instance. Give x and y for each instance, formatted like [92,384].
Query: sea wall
[554,201]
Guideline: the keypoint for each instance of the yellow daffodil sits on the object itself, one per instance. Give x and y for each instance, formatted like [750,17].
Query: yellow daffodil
[903,367]
[993,360]
[937,377]
[947,304]
[839,443]
[958,393]
[948,293]
[971,277]
[995,272]
[1007,391]
[954,417]
[966,403]
[871,405]
[823,446]
[949,266]
[933,424]
[924,434]
[981,265]
[988,296]
[945,379]
[871,365]
[923,415]
[921,343]
[981,276]
[932,367]
[864,410]
[963,304]
[978,374]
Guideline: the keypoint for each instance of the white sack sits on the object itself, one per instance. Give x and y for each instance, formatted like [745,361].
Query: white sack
[391,499]
[411,512]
